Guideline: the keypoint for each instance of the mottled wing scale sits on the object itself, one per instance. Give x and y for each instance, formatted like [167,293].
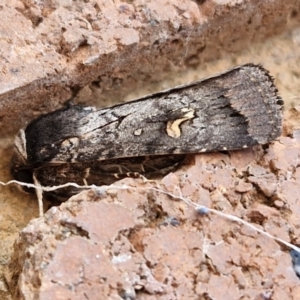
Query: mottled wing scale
[105,172]
[233,110]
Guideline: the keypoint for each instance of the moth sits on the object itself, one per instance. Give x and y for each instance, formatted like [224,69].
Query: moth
[151,135]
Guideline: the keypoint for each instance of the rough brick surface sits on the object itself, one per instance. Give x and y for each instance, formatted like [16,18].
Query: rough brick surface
[48,49]
[139,243]
[56,47]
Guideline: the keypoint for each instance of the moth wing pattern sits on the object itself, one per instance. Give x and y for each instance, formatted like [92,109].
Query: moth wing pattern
[233,110]
[105,172]
[237,108]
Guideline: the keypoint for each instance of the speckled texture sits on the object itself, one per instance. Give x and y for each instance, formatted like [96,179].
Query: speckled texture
[107,49]
[32,86]
[117,242]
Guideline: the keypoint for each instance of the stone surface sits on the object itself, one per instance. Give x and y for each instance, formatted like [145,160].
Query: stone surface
[36,76]
[134,241]
[59,47]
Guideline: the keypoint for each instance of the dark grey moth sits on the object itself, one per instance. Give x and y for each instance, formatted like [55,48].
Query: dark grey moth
[150,135]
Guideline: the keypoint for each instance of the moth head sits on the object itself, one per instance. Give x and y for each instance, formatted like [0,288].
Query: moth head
[22,175]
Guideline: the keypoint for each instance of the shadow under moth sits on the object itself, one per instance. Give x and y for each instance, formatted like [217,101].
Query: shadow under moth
[151,135]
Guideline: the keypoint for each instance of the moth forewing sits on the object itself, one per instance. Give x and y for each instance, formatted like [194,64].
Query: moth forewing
[232,110]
